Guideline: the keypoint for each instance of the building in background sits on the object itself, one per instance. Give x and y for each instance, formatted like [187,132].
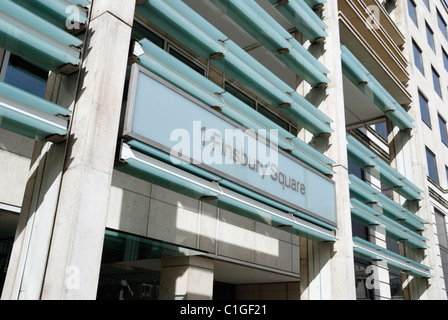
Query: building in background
[223,149]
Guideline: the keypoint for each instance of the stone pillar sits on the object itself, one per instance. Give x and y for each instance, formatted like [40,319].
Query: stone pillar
[186,278]
[27,264]
[26,269]
[78,235]
[334,260]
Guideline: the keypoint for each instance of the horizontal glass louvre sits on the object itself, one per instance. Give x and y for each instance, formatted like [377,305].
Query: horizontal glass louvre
[265,29]
[362,191]
[367,160]
[161,173]
[39,25]
[29,115]
[177,73]
[34,39]
[7,90]
[162,156]
[54,11]
[298,100]
[201,41]
[370,251]
[366,83]
[369,216]
[298,13]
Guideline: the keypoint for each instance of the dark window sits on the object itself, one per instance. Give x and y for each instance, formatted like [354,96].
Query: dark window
[396,287]
[25,75]
[418,58]
[436,82]
[412,11]
[381,129]
[355,170]
[445,59]
[443,131]
[240,95]
[430,36]
[140,32]
[424,109]
[362,289]
[391,244]
[359,230]
[426,2]
[446,172]
[268,114]
[442,24]
[432,165]
[186,60]
[443,244]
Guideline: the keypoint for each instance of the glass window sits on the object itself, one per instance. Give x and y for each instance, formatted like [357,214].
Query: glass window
[443,131]
[442,24]
[240,95]
[391,244]
[432,165]
[396,287]
[446,172]
[140,32]
[187,61]
[445,59]
[430,36]
[363,291]
[271,116]
[424,109]
[412,8]
[418,59]
[359,230]
[441,229]
[436,82]
[24,75]
[381,129]
[123,276]
[443,243]
[355,170]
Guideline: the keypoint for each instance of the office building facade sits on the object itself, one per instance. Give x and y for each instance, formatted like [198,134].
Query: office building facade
[223,149]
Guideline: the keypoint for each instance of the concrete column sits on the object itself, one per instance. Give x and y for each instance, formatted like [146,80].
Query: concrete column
[78,235]
[27,265]
[26,269]
[186,278]
[331,101]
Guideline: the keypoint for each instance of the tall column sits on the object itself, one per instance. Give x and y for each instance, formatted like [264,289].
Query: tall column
[78,235]
[27,264]
[331,101]
[186,278]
